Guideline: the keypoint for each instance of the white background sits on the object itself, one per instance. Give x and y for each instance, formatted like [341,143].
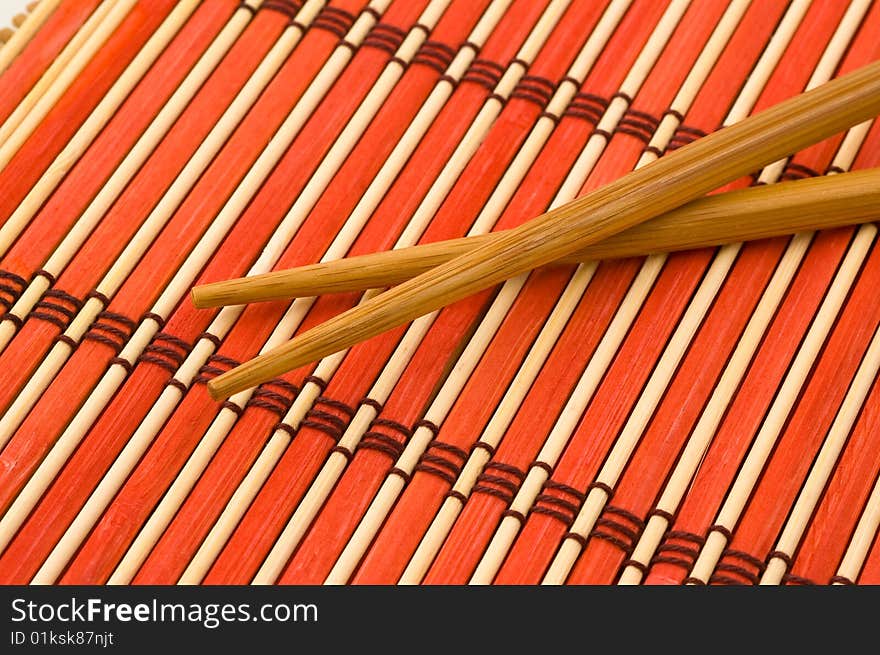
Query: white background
[8,9]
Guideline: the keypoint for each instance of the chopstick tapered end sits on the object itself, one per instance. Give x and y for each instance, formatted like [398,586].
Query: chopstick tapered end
[217,391]
[197,295]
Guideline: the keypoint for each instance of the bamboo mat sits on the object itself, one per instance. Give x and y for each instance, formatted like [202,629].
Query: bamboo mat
[706,417]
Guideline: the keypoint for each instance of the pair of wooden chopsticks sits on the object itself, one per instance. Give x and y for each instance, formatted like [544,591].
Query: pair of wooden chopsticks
[440,274]
[755,213]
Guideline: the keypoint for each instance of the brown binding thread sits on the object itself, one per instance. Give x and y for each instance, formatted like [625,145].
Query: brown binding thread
[288,8]
[284,428]
[384,37]
[124,363]
[436,472]
[158,320]
[214,366]
[543,466]
[111,329]
[436,460]
[272,401]
[334,20]
[791,578]
[369,402]
[587,106]
[324,421]
[840,579]
[552,505]
[795,171]
[738,569]
[622,530]
[489,483]
[639,125]
[318,382]
[244,5]
[662,513]
[684,135]
[403,475]
[56,307]
[338,405]
[533,88]
[432,427]
[484,72]
[434,54]
[166,351]
[384,443]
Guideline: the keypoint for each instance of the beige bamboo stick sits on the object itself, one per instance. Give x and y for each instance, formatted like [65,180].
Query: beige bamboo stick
[562,311]
[90,38]
[149,229]
[683,175]
[705,429]
[640,287]
[116,374]
[96,122]
[68,247]
[217,432]
[494,432]
[250,485]
[599,362]
[466,363]
[431,203]
[225,219]
[862,538]
[677,346]
[728,383]
[745,215]
[824,464]
[17,40]
[51,74]
[785,399]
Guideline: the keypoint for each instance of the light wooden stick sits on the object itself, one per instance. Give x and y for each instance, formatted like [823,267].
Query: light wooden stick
[20,38]
[824,465]
[116,374]
[745,215]
[684,333]
[371,198]
[90,38]
[203,348]
[528,372]
[783,402]
[704,431]
[862,538]
[493,318]
[681,176]
[96,122]
[451,171]
[147,231]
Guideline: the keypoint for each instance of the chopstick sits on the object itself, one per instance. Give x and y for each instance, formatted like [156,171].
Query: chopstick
[754,213]
[669,182]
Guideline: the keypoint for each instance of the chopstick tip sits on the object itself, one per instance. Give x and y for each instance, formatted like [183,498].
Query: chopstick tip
[216,391]
[197,298]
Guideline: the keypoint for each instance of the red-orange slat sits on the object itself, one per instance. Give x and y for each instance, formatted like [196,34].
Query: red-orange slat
[25,168]
[217,483]
[536,544]
[502,476]
[38,54]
